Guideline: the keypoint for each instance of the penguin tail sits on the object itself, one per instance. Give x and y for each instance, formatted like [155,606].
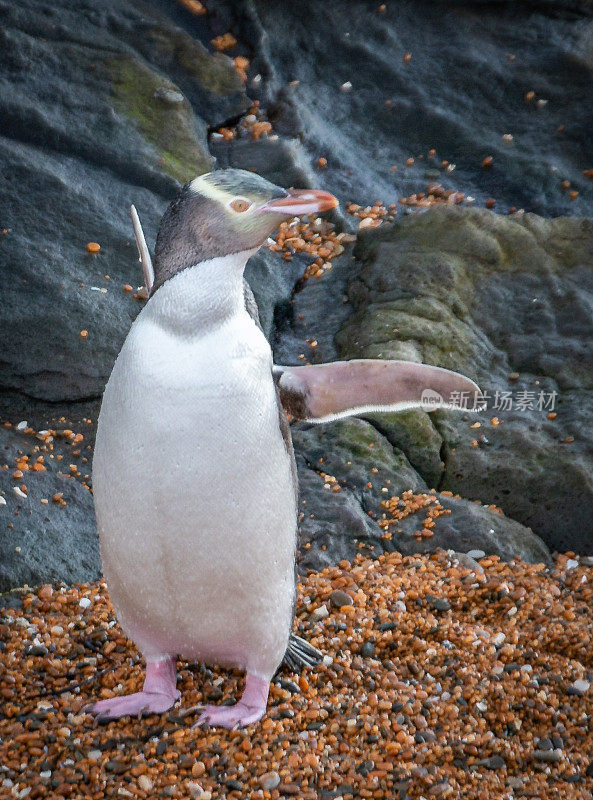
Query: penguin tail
[300,653]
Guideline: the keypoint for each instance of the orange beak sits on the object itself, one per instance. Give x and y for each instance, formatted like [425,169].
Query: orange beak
[301,201]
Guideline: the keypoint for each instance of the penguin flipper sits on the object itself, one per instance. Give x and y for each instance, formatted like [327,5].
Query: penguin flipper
[326,392]
[143,251]
[299,654]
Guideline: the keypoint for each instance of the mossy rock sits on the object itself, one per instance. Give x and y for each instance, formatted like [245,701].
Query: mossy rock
[163,116]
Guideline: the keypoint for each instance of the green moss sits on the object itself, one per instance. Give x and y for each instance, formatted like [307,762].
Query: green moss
[169,127]
[213,72]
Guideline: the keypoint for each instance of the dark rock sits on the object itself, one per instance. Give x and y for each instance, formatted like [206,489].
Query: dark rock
[492,762]
[422,291]
[448,97]
[340,598]
[54,542]
[438,603]
[290,686]
[552,756]
[367,650]
[36,650]
[86,133]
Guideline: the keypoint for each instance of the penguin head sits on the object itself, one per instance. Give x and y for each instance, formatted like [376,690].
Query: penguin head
[225,212]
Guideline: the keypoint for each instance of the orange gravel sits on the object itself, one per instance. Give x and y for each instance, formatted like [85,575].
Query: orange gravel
[315,237]
[437,682]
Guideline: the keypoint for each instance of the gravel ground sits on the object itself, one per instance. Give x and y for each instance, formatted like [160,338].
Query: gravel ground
[440,679]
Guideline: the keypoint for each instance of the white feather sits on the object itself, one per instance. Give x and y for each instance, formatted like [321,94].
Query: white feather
[192,480]
[143,251]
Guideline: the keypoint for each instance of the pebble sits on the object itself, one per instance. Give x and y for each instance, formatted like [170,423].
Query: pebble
[579,687]
[492,762]
[339,598]
[548,755]
[320,613]
[269,781]
[476,554]
[169,96]
[438,603]
[84,602]
[352,728]
[145,783]
[367,650]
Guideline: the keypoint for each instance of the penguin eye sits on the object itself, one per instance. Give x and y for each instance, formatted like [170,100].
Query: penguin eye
[240,204]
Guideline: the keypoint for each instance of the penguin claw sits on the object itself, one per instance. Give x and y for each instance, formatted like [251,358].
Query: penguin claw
[230,717]
[138,705]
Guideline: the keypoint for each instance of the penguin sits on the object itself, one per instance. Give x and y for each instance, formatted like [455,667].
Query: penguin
[194,475]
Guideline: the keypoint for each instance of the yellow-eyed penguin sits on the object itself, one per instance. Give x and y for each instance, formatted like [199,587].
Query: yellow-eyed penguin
[193,473]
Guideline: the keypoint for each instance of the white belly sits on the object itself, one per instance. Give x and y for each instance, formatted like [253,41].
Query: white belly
[194,497]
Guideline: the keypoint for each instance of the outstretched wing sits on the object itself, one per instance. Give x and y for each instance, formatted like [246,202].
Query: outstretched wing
[325,392]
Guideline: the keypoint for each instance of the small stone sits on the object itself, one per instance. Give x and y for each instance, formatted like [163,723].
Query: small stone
[290,686]
[346,87]
[145,783]
[116,767]
[515,782]
[320,613]
[432,175]
[45,775]
[476,554]
[169,96]
[36,650]
[269,781]
[493,762]
[84,602]
[94,755]
[367,650]
[572,563]
[548,755]
[545,744]
[579,687]
[386,626]
[21,426]
[587,561]
[234,786]
[340,598]
[438,603]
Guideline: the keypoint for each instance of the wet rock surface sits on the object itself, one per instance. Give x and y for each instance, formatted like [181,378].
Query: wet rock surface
[367,90]
[108,104]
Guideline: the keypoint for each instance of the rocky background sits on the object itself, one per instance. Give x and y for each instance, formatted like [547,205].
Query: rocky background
[105,104]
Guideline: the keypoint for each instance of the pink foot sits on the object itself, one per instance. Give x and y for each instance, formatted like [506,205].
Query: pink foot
[158,694]
[250,708]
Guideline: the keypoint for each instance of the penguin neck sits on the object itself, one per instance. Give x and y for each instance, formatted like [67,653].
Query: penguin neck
[203,296]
